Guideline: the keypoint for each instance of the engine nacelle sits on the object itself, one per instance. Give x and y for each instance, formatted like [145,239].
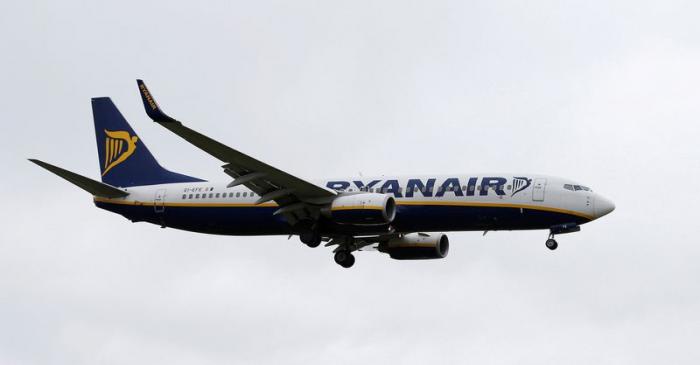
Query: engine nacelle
[417,246]
[363,209]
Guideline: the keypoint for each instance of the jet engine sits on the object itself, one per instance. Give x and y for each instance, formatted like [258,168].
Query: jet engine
[363,209]
[417,246]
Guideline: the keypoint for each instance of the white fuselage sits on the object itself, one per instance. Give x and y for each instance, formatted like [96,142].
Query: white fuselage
[425,203]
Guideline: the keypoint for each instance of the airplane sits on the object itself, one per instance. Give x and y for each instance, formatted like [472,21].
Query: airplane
[402,216]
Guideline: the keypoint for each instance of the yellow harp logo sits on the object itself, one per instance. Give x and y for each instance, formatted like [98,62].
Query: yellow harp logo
[119,145]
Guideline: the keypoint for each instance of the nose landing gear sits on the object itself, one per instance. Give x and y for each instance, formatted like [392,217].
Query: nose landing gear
[551,243]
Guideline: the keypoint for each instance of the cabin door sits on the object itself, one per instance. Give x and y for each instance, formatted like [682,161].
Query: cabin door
[538,190]
[159,201]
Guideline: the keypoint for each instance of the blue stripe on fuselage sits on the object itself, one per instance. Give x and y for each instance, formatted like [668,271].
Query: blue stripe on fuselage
[257,220]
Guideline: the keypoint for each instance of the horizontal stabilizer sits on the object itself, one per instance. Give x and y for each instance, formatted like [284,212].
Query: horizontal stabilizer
[93,187]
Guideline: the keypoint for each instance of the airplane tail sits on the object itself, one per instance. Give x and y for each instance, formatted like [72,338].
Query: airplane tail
[124,158]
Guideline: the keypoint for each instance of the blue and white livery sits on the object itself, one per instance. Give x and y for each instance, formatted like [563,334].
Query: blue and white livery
[397,215]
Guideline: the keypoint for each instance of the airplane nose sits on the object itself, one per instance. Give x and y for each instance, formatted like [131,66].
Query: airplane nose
[603,206]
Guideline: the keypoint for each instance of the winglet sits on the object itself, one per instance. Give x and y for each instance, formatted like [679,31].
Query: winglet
[152,108]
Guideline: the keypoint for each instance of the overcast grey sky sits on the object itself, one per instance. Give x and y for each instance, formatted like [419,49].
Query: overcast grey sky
[605,93]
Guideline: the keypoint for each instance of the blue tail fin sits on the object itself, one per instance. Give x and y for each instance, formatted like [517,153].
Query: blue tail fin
[124,158]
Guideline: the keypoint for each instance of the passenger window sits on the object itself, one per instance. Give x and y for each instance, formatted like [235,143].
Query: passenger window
[190,197]
[217,195]
[184,196]
[197,196]
[508,187]
[238,194]
[245,194]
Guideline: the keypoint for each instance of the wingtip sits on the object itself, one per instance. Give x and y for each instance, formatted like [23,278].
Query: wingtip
[40,163]
[149,103]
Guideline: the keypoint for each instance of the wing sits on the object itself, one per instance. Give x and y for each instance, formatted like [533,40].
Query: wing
[297,198]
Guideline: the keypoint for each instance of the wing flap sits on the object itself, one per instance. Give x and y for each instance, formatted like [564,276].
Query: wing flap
[243,162]
[265,180]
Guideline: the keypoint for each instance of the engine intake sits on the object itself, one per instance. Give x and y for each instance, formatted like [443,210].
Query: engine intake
[417,246]
[363,209]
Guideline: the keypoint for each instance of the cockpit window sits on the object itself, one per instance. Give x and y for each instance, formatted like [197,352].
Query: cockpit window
[576,187]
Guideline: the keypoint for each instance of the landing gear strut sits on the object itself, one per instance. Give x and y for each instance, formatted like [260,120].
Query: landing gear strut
[344,259]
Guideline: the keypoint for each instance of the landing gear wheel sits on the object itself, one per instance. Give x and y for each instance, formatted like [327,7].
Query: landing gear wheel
[344,259]
[551,244]
[310,239]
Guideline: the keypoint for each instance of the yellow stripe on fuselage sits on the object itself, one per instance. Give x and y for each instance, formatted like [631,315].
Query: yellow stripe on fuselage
[494,205]
[398,202]
[151,203]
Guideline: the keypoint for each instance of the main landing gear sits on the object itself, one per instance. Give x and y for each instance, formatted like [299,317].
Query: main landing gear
[344,259]
[310,239]
[343,253]
[551,243]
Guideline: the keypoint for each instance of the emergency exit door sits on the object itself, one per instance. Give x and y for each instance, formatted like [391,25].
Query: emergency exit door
[538,190]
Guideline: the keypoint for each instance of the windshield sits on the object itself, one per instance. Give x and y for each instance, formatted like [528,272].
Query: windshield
[576,187]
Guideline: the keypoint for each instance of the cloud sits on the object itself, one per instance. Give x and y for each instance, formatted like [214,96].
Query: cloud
[602,93]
